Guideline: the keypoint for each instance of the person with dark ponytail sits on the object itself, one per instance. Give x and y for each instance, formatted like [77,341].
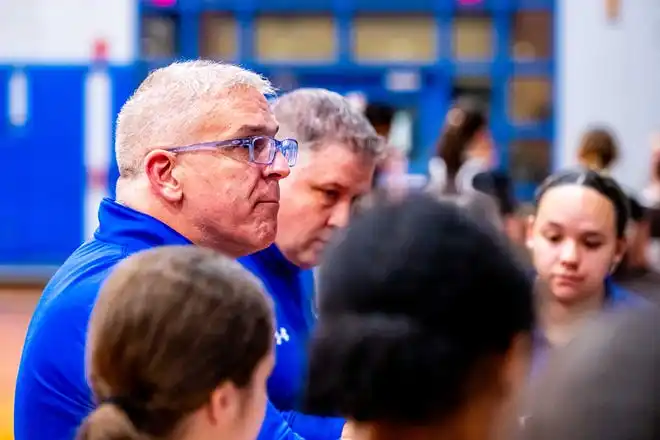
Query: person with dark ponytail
[179,347]
[464,161]
[424,324]
[577,240]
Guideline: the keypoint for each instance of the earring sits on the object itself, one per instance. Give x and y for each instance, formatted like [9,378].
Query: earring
[613,267]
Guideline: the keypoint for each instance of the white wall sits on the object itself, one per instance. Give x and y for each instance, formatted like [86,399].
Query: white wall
[63,31]
[609,73]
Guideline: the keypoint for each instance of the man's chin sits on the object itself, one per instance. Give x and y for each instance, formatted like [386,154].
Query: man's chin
[310,259]
[263,236]
[304,260]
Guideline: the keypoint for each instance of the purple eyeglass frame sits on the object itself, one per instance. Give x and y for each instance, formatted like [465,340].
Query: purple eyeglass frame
[288,148]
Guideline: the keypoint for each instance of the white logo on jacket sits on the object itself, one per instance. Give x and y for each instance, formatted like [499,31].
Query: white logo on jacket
[281,336]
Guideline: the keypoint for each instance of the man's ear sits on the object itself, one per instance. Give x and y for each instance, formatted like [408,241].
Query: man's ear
[224,404]
[159,167]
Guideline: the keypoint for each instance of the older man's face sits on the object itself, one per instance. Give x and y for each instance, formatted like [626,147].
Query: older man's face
[235,202]
[317,199]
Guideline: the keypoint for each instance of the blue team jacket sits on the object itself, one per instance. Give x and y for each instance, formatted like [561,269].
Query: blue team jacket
[52,394]
[288,286]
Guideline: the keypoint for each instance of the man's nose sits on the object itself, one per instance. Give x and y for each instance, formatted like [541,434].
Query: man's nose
[279,169]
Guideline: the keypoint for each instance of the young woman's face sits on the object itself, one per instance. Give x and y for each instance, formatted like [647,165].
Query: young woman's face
[573,241]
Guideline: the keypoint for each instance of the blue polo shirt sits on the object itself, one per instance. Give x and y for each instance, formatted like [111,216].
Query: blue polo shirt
[52,395]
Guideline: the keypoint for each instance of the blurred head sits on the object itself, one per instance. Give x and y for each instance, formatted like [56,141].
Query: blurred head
[424,321]
[638,237]
[216,197]
[604,385]
[179,346]
[598,149]
[465,136]
[339,150]
[577,235]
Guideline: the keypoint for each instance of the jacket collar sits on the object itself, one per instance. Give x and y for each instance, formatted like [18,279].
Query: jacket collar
[274,260]
[133,230]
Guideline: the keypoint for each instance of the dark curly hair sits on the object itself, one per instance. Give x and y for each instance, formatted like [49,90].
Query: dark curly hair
[414,302]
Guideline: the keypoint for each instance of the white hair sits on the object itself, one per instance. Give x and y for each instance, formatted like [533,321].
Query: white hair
[170,105]
[316,117]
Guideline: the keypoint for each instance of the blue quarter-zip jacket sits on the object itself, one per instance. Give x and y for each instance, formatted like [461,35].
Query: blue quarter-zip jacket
[52,395]
[288,286]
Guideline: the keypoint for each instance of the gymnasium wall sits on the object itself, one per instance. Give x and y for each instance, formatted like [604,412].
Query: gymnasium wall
[608,72]
[57,109]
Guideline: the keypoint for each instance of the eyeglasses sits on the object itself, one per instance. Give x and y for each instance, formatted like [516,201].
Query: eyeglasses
[262,149]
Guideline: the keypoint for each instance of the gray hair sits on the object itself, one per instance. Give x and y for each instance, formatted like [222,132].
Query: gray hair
[169,106]
[318,116]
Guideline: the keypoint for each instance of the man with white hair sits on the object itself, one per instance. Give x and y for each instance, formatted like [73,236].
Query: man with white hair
[339,150]
[198,164]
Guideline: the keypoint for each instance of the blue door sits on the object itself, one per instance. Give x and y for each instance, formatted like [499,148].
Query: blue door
[41,221]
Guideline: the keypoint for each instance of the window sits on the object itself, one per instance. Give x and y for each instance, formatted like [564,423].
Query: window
[530,99]
[158,36]
[529,160]
[400,38]
[219,37]
[295,38]
[472,38]
[532,35]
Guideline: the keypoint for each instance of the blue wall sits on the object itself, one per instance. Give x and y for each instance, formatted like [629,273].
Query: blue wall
[41,220]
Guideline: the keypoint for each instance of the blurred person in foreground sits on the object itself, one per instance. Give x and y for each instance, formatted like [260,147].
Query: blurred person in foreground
[424,324]
[464,163]
[604,385]
[198,164]
[338,153]
[577,240]
[180,345]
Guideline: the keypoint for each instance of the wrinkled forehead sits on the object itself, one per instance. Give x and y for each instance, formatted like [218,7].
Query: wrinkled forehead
[338,165]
